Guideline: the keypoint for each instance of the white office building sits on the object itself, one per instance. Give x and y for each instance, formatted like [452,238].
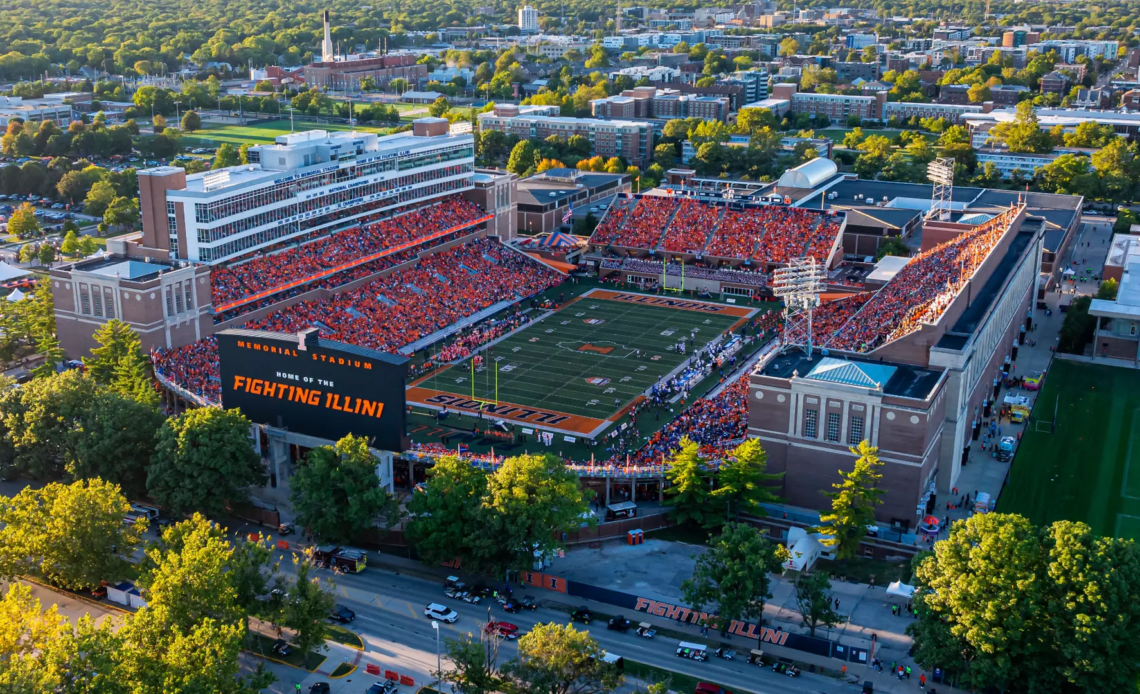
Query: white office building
[528,19]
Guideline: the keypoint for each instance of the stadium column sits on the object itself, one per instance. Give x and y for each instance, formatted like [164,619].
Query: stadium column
[607,491]
[278,454]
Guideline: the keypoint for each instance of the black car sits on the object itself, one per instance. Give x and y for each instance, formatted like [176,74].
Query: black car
[582,614]
[511,605]
[618,623]
[319,688]
[342,614]
[528,602]
[282,647]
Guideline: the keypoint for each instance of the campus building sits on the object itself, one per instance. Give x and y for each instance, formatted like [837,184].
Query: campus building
[345,75]
[630,140]
[33,111]
[304,187]
[1117,333]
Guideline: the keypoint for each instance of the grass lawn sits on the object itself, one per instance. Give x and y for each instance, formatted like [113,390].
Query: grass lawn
[342,670]
[583,359]
[342,635]
[262,645]
[1082,471]
[861,569]
[260,133]
[680,533]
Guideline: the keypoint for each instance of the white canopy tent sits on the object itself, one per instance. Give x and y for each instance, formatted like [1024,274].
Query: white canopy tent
[901,589]
[16,295]
[7,272]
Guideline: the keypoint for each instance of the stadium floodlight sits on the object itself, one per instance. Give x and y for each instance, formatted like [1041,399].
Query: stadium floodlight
[799,284]
[941,174]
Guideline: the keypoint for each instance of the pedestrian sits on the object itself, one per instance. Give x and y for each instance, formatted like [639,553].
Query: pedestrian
[908,672]
[894,610]
[921,681]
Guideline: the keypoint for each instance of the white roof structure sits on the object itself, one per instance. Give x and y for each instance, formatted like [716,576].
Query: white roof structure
[901,589]
[7,272]
[810,174]
[16,295]
[1125,252]
[887,267]
[860,374]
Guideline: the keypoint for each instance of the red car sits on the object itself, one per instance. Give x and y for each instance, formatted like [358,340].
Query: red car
[504,629]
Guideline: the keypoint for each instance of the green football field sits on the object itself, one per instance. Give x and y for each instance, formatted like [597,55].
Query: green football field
[582,360]
[1089,468]
[261,133]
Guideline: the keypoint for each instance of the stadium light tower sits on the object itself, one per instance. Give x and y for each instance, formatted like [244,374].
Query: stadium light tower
[941,174]
[799,285]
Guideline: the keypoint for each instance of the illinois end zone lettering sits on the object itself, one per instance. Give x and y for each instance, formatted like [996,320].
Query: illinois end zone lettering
[669,303]
[681,613]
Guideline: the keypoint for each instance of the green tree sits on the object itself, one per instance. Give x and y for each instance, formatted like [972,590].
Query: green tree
[202,460]
[132,380]
[40,418]
[530,501]
[749,120]
[891,245]
[440,517]
[743,482]
[23,222]
[70,243]
[522,157]
[853,503]
[122,211]
[439,107]
[1023,134]
[191,121]
[814,603]
[1029,609]
[307,607]
[87,245]
[559,659]
[474,664]
[114,440]
[1069,174]
[788,47]
[688,489]
[71,534]
[99,198]
[47,254]
[116,340]
[336,492]
[227,155]
[734,574]
[1107,290]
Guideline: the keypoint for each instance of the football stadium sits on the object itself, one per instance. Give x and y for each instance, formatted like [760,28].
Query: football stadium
[385,274]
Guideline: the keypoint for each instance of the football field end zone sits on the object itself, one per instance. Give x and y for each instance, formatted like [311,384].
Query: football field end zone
[696,305]
[548,420]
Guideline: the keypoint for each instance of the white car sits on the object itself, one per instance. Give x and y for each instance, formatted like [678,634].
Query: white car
[440,613]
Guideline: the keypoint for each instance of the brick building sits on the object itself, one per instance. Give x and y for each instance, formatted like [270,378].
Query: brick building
[630,140]
[346,74]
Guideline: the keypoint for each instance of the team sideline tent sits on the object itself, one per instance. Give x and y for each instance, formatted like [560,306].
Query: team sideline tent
[7,272]
[901,589]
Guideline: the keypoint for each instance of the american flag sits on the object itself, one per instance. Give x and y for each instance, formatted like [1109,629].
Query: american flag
[569,213]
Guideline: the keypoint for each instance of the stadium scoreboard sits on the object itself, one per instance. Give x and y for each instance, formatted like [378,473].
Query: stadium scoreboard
[312,386]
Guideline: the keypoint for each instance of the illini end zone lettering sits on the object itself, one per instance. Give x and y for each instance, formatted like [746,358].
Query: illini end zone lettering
[308,396]
[501,410]
[683,614]
[669,303]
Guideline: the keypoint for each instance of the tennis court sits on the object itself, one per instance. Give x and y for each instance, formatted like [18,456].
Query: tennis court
[583,364]
[1088,469]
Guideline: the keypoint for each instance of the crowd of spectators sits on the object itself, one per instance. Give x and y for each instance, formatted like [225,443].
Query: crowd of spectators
[388,313]
[736,235]
[612,223]
[300,260]
[645,224]
[468,342]
[410,304]
[828,318]
[691,226]
[788,232]
[922,290]
[192,367]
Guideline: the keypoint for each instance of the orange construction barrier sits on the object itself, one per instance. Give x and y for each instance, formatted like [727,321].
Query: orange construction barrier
[253,537]
[407,681]
[372,669]
[282,544]
[391,675]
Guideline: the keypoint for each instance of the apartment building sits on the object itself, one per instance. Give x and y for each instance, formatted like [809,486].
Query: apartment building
[837,107]
[631,140]
[650,102]
[905,110]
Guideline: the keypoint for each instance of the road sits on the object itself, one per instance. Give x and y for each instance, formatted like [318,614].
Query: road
[387,603]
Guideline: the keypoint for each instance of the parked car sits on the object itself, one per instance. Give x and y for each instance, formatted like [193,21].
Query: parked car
[618,623]
[342,614]
[441,613]
[505,629]
[710,688]
[319,688]
[582,614]
[282,648]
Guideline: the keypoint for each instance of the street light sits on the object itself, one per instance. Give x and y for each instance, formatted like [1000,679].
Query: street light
[435,625]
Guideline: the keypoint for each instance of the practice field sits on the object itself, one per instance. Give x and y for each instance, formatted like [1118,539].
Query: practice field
[262,133]
[579,367]
[1089,468]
